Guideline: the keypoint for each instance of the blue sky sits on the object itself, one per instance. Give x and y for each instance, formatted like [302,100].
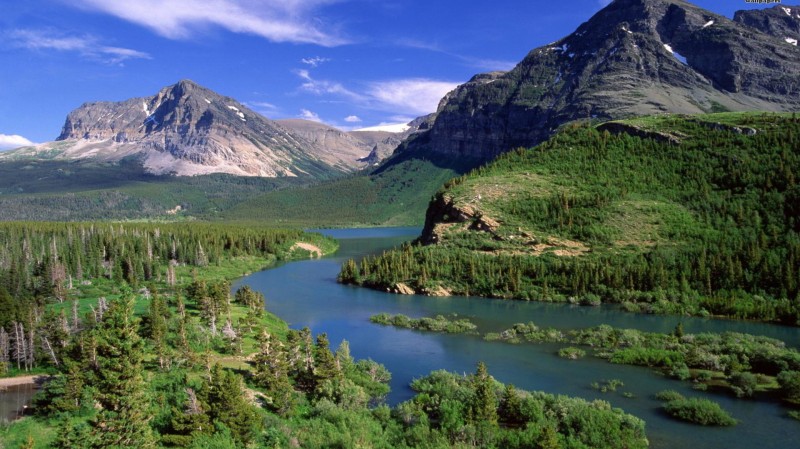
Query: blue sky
[348,63]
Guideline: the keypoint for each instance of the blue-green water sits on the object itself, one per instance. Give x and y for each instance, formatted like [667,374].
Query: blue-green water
[305,293]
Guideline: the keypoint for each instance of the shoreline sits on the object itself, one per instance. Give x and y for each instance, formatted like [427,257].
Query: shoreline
[22,380]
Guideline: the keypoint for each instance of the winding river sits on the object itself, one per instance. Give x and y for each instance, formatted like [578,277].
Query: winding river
[305,293]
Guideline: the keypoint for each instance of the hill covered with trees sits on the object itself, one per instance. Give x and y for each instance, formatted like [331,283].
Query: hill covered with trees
[666,214]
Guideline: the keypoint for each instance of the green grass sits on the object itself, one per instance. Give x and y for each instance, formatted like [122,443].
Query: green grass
[24,431]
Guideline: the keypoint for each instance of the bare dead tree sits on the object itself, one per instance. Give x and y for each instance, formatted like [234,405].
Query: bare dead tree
[49,348]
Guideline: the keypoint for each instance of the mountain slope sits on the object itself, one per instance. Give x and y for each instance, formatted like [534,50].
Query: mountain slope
[632,58]
[780,21]
[187,129]
[670,214]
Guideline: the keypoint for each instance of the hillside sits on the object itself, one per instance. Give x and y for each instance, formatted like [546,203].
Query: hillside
[670,214]
[395,195]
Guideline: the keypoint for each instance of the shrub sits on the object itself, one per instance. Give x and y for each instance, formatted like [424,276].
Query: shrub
[699,411]
[571,353]
[669,395]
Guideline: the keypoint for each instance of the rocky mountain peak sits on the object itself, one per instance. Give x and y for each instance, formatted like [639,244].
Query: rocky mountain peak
[781,21]
[188,129]
[634,57]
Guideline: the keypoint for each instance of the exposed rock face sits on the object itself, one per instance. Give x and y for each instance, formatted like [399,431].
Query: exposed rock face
[443,213]
[634,57]
[187,129]
[780,21]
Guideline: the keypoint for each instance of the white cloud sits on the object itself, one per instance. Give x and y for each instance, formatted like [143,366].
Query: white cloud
[489,64]
[308,115]
[87,46]
[263,108]
[9,141]
[320,87]
[416,96]
[604,3]
[478,63]
[352,119]
[276,20]
[315,61]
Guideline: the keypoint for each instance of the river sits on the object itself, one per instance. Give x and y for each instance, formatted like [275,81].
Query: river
[305,293]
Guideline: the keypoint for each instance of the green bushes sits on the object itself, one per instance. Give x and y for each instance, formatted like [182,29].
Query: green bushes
[699,411]
[438,323]
[571,353]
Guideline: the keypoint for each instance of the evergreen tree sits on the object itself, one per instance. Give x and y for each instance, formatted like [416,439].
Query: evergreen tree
[122,421]
[511,406]
[272,372]
[483,409]
[224,398]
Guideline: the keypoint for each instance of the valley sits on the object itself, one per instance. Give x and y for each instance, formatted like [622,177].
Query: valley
[596,245]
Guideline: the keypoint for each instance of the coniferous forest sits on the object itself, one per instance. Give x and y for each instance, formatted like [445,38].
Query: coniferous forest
[675,214]
[168,356]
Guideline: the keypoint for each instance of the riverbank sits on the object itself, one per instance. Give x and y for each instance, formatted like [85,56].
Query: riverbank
[36,379]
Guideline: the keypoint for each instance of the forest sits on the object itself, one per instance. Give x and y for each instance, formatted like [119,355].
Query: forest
[144,344]
[692,215]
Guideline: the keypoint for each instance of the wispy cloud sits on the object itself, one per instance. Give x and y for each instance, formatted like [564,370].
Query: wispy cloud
[309,115]
[315,61]
[352,119]
[478,63]
[9,141]
[604,3]
[276,20]
[320,87]
[415,96]
[87,46]
[488,64]
[410,96]
[263,108]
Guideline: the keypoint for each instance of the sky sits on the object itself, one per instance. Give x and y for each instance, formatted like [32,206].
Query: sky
[348,63]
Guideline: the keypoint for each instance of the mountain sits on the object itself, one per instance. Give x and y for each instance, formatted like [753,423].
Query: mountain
[187,129]
[634,57]
[368,146]
[780,21]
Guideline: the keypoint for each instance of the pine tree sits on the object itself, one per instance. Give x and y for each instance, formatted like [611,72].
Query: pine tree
[158,315]
[511,406]
[224,398]
[123,418]
[325,366]
[272,372]
[188,423]
[483,408]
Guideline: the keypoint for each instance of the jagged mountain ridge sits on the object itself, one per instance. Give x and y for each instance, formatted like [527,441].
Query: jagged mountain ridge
[634,57]
[780,21]
[187,129]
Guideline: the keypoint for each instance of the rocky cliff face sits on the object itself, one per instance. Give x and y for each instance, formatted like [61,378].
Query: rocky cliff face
[187,129]
[779,21]
[634,57]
